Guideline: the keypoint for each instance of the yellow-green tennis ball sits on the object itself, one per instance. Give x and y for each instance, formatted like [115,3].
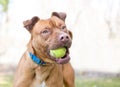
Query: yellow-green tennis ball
[58,53]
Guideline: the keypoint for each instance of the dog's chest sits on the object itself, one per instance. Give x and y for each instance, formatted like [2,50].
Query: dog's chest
[42,72]
[48,75]
[43,84]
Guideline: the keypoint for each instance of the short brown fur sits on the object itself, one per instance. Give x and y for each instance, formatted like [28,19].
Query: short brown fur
[30,74]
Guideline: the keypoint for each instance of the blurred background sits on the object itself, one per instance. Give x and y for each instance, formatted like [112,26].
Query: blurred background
[95,52]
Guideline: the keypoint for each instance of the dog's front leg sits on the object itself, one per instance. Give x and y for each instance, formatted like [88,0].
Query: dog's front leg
[68,75]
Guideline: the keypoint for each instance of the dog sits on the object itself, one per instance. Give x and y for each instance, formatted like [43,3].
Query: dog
[37,66]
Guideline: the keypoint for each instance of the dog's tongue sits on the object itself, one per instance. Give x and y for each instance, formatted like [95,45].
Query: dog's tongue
[63,60]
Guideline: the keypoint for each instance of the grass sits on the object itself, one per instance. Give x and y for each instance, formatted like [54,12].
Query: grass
[99,82]
[6,81]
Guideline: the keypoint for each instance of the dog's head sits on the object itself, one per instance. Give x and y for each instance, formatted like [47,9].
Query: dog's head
[50,34]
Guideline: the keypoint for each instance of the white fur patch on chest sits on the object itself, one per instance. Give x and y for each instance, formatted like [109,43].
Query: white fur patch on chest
[42,85]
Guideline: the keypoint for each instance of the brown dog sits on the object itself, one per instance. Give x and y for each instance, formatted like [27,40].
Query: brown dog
[37,67]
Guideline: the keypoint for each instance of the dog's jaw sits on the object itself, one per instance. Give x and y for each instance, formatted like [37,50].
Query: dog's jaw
[63,60]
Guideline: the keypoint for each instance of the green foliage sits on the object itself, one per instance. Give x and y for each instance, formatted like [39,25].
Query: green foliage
[99,82]
[4,4]
[6,81]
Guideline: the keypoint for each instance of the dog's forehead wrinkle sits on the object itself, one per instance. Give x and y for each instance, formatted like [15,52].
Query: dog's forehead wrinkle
[57,22]
[52,23]
[44,24]
[49,24]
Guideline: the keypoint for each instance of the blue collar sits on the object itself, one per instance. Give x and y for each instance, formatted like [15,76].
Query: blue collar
[36,59]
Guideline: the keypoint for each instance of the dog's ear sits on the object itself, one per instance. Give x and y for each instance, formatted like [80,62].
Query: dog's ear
[60,15]
[28,24]
[70,33]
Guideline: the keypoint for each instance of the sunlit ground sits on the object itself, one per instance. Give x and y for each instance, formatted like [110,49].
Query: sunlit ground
[7,81]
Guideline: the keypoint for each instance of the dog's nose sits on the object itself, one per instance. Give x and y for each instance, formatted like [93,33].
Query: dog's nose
[64,38]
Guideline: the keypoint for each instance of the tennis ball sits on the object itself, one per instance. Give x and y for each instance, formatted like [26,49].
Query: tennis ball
[58,53]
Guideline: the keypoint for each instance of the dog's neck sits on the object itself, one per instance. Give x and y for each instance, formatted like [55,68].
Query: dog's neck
[40,53]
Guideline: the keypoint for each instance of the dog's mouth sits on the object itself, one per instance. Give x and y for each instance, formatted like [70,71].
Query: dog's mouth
[62,60]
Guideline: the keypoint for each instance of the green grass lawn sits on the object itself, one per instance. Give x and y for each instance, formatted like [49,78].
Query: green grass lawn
[99,82]
[6,81]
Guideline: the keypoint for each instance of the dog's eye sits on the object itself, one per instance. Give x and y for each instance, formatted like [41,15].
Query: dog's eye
[45,31]
[63,27]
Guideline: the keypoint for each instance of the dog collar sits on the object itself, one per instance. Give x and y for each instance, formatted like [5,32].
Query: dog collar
[36,59]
